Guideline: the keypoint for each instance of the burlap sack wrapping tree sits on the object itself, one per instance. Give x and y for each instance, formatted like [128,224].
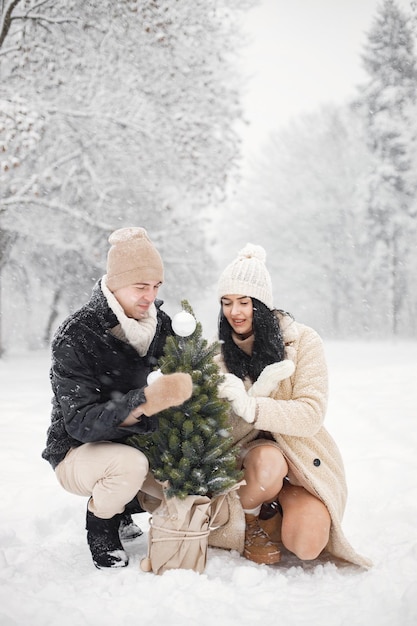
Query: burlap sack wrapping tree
[190,454]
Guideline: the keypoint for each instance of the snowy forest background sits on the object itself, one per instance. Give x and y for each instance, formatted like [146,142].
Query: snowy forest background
[129,113]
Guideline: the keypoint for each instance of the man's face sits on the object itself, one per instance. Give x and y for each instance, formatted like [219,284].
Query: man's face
[136,299]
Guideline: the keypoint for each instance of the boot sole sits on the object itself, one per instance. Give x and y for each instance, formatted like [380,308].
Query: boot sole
[269,559]
[130,537]
[114,566]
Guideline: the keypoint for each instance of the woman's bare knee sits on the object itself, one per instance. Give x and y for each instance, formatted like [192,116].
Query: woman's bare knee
[307,546]
[306,523]
[265,468]
[266,461]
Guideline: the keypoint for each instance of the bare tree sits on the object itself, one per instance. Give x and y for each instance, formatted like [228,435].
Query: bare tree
[135,104]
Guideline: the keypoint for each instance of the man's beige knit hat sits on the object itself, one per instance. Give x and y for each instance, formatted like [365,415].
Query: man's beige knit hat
[247,276]
[132,259]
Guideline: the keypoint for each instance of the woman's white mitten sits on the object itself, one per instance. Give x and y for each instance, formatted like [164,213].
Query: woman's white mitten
[233,389]
[270,377]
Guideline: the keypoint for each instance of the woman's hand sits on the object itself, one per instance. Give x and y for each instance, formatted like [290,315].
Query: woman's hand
[270,377]
[233,389]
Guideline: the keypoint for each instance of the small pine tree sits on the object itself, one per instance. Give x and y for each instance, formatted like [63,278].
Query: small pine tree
[192,448]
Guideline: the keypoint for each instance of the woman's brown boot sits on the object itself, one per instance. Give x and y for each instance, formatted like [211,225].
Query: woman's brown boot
[258,546]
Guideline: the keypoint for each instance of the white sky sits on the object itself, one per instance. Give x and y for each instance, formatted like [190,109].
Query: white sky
[303,53]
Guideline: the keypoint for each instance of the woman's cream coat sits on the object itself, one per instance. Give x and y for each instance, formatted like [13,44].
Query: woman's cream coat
[294,415]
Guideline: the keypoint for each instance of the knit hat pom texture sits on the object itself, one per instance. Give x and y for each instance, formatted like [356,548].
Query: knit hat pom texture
[247,275]
[251,251]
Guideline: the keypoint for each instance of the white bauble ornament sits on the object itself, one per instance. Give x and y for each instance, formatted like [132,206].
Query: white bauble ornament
[184,324]
[152,376]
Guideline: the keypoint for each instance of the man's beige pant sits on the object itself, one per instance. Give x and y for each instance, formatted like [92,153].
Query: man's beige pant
[111,473]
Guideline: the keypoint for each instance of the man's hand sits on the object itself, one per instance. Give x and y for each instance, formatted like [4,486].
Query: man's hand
[167,391]
[163,393]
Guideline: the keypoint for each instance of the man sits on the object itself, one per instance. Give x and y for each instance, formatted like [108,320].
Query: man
[101,357]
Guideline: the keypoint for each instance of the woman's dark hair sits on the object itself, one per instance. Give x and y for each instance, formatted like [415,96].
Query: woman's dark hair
[268,344]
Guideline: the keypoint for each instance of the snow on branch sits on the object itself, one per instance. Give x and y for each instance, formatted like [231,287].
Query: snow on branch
[103,116]
[6,19]
[56,206]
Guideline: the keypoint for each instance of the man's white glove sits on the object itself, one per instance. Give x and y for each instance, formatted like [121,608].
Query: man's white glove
[233,389]
[269,378]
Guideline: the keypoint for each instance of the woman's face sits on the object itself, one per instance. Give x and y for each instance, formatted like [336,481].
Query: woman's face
[238,310]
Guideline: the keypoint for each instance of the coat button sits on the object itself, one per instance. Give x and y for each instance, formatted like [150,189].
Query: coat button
[316,462]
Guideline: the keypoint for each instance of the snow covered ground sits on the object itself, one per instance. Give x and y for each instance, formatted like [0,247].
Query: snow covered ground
[47,576]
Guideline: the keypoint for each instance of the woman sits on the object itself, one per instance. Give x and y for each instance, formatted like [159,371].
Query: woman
[276,382]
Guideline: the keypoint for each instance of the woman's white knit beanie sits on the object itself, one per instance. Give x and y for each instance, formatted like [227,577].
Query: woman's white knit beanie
[247,276]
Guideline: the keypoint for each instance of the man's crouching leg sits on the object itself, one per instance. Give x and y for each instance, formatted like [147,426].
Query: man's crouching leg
[111,474]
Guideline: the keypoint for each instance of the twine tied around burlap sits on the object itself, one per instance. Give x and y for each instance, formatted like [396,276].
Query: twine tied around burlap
[179,531]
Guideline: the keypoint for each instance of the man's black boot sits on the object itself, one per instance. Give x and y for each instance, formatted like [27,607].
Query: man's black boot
[128,529]
[104,541]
